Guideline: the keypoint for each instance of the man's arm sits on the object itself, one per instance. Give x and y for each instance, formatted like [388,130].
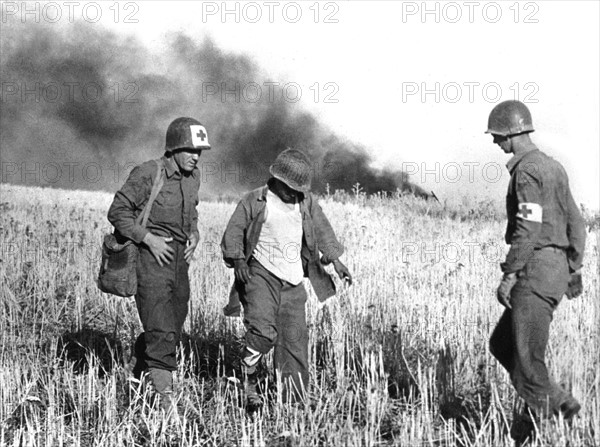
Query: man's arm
[528,222]
[194,224]
[129,199]
[122,213]
[194,236]
[327,242]
[232,243]
[575,233]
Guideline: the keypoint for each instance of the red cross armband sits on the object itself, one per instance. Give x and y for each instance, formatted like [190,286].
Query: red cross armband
[530,211]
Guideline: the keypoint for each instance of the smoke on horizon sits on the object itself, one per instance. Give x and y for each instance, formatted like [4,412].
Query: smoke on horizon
[79,109]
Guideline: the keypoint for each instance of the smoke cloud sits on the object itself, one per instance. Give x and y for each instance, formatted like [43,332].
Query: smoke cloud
[81,106]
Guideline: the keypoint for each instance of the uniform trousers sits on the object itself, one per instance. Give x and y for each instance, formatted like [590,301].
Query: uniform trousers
[520,339]
[162,301]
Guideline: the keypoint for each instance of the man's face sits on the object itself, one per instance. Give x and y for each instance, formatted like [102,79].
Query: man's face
[186,159]
[285,193]
[503,142]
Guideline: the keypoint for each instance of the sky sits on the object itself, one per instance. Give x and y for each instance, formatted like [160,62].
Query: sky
[413,82]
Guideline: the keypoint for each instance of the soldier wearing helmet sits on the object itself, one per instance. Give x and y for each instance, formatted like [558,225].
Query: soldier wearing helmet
[277,235]
[166,246]
[546,234]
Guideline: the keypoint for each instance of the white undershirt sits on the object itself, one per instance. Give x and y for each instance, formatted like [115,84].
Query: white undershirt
[280,241]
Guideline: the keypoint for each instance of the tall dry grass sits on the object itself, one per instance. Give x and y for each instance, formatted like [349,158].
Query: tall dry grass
[400,358]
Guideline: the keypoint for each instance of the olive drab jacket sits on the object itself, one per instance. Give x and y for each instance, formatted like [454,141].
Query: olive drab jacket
[243,230]
[541,211]
[173,213]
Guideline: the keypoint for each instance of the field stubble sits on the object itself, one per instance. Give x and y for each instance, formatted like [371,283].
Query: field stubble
[400,358]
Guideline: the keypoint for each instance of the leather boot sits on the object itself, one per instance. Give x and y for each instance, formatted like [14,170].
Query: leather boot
[253,399]
[162,380]
[250,361]
[522,429]
[569,408]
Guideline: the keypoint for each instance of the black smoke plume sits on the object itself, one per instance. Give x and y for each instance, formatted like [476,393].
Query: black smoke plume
[81,105]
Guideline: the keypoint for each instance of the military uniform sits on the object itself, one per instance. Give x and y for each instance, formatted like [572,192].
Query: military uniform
[546,234]
[163,292]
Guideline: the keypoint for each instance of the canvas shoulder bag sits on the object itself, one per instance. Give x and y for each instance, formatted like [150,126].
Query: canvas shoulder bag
[118,267]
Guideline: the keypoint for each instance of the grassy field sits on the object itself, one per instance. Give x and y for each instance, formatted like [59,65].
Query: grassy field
[400,358]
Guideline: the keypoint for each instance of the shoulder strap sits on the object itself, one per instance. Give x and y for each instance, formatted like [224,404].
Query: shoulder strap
[156,187]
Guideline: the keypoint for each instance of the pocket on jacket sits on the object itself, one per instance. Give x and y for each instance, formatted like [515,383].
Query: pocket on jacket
[169,196]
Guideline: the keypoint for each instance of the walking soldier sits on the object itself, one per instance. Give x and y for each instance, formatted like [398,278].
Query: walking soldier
[546,234]
[272,241]
[166,245]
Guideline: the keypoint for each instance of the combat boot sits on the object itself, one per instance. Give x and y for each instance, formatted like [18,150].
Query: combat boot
[569,409]
[250,362]
[253,399]
[522,429]
[162,381]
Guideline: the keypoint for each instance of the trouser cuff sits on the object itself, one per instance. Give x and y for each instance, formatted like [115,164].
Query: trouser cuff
[250,360]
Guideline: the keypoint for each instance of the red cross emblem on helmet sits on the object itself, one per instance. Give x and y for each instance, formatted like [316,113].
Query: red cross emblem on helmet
[186,133]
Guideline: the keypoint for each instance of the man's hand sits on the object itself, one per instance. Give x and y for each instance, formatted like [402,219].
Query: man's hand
[190,246]
[575,285]
[159,246]
[342,271]
[241,270]
[506,285]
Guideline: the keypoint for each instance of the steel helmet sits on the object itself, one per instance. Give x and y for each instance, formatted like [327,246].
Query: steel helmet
[293,168]
[186,133]
[509,118]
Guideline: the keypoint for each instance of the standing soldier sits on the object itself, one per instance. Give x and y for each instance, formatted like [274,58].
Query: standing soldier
[166,246]
[272,241]
[546,234]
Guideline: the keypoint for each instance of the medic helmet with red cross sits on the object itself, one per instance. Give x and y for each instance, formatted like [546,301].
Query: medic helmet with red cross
[186,133]
[509,118]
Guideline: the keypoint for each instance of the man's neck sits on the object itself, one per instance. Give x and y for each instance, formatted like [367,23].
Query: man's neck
[521,144]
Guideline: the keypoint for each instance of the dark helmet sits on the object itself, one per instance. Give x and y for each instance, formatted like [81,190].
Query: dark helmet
[186,133]
[293,168]
[509,118]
